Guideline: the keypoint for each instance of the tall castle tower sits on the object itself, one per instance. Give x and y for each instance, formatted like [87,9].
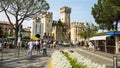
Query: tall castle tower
[46,20]
[35,28]
[65,15]
[65,19]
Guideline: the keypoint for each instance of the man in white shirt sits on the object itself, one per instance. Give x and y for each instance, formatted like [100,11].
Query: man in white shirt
[30,46]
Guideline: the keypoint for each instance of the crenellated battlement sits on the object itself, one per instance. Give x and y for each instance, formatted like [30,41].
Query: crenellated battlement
[36,20]
[47,14]
[63,29]
[65,9]
[76,24]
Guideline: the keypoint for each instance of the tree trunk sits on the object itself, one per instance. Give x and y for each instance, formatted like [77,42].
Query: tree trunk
[116,28]
[16,36]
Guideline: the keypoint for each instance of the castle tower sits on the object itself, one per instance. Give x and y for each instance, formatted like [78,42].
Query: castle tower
[46,20]
[76,27]
[65,19]
[35,28]
[65,15]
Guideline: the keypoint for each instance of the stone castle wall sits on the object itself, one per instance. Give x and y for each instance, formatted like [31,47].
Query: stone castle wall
[68,31]
[76,27]
[47,14]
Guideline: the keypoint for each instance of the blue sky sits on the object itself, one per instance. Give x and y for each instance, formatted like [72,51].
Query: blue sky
[81,10]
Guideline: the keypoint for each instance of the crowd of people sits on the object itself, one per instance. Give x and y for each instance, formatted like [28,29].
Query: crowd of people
[40,46]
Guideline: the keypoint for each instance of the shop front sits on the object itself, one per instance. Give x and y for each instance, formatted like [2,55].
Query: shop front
[108,43]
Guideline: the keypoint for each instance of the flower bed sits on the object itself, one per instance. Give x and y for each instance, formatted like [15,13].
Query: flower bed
[74,62]
[85,61]
[67,59]
[59,60]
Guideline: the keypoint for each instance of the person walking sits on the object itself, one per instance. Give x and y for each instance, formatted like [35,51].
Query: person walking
[30,46]
[44,49]
[91,46]
[38,46]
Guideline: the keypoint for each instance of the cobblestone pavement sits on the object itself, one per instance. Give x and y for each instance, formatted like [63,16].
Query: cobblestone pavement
[11,60]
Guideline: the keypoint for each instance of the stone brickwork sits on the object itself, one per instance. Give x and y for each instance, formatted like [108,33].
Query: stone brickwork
[76,27]
[65,19]
[47,14]
[35,27]
[65,9]
[60,31]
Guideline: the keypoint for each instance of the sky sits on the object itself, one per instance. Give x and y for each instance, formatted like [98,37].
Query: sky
[80,10]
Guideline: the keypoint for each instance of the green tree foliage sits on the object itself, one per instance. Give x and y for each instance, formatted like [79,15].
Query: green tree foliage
[22,10]
[105,13]
[116,6]
[88,30]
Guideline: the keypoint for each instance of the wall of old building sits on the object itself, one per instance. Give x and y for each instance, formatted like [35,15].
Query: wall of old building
[68,31]
[35,27]
[65,19]
[76,27]
[47,20]
[6,28]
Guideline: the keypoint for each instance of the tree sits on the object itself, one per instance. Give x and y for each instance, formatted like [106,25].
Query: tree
[103,14]
[88,30]
[106,12]
[116,6]
[22,10]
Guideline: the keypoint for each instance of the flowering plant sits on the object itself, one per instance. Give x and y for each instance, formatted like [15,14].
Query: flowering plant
[59,60]
[85,61]
[67,59]
[74,62]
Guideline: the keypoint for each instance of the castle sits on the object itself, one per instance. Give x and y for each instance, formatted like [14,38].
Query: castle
[63,29]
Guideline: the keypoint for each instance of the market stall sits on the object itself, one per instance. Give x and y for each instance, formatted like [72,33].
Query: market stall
[108,43]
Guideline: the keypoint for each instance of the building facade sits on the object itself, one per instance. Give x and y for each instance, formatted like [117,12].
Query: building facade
[59,30]
[26,32]
[46,20]
[6,28]
[35,27]
[43,25]
[65,19]
[76,27]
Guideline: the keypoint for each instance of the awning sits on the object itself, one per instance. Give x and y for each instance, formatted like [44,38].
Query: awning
[99,37]
[11,37]
[34,38]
